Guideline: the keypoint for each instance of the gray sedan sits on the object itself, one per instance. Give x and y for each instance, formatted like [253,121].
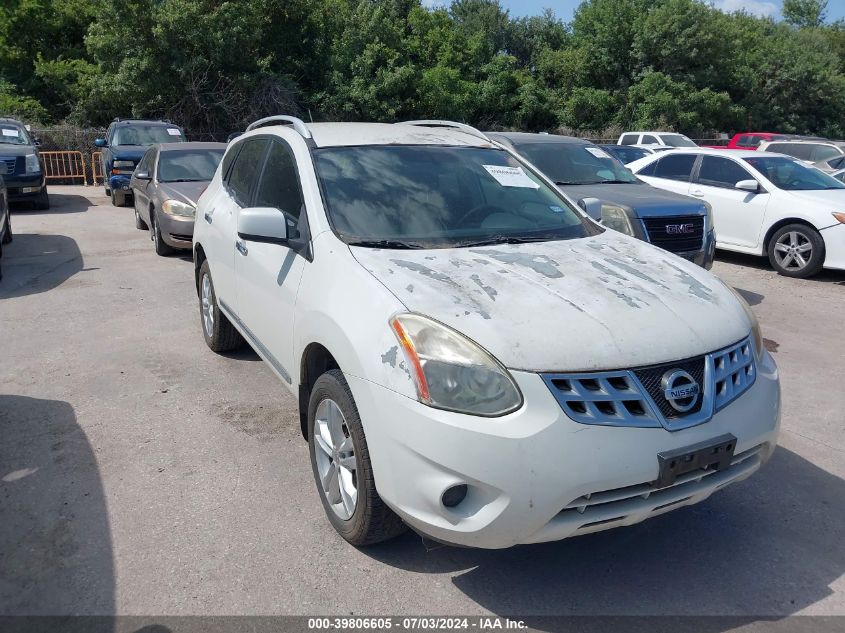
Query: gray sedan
[166,185]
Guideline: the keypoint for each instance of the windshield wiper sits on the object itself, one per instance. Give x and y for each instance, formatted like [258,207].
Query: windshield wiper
[398,244]
[508,239]
[571,182]
[617,182]
[186,180]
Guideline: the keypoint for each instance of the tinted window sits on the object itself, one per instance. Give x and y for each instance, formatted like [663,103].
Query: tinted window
[677,140]
[675,166]
[791,175]
[836,163]
[575,164]
[825,151]
[279,186]
[245,170]
[627,154]
[146,135]
[629,139]
[804,151]
[649,139]
[749,140]
[721,172]
[649,169]
[194,165]
[440,197]
[13,134]
[147,161]
[840,176]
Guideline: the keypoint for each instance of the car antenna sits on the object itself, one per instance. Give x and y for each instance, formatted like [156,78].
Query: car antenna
[309,115]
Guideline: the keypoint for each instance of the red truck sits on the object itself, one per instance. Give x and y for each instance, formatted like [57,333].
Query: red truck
[752,140]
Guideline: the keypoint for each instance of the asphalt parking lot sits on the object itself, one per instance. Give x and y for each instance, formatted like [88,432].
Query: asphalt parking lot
[142,474]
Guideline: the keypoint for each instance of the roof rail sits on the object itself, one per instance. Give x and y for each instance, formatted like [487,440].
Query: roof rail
[463,127]
[298,124]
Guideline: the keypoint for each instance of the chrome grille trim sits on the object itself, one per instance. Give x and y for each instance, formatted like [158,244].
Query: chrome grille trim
[619,398]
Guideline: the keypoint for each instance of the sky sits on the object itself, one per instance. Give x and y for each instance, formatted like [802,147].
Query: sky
[564,8]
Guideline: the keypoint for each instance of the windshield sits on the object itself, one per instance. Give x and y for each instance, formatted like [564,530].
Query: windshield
[677,140]
[440,197]
[188,165]
[791,175]
[13,134]
[576,164]
[627,153]
[146,135]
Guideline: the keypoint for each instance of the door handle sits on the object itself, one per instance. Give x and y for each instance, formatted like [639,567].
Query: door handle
[697,192]
[207,217]
[241,246]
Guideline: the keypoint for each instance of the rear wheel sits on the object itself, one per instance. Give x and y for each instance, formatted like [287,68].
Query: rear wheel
[341,464]
[797,250]
[220,335]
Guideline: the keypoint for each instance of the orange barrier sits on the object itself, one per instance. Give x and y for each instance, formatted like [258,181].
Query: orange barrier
[68,165]
[97,168]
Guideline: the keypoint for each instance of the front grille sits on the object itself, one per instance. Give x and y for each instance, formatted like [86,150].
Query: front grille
[662,232]
[637,397]
[8,166]
[734,372]
[651,378]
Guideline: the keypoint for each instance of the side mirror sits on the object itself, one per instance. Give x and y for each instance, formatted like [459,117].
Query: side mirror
[143,175]
[263,224]
[36,142]
[748,185]
[100,142]
[592,207]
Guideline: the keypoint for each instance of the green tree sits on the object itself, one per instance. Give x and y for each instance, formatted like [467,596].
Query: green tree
[805,13]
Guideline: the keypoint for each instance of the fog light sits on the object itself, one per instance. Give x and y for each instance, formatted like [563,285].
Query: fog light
[454,495]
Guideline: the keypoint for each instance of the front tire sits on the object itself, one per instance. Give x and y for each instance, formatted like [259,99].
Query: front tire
[139,223]
[797,250]
[340,461]
[42,202]
[161,246]
[220,335]
[7,238]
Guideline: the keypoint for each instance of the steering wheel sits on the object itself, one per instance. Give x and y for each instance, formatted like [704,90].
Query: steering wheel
[478,210]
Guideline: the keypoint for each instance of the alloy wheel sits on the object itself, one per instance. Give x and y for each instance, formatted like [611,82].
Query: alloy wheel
[207,306]
[793,251]
[336,462]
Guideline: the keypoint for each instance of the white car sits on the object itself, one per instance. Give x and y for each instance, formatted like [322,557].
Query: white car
[473,356]
[763,204]
[666,140]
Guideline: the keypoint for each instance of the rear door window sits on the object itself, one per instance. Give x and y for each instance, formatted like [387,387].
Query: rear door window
[675,167]
[802,151]
[721,172]
[822,152]
[629,139]
[245,170]
[648,139]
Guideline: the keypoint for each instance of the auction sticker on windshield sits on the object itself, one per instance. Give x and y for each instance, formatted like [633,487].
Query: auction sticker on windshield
[511,176]
[173,132]
[598,153]
[11,132]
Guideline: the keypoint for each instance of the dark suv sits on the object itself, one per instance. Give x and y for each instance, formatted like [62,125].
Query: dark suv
[611,194]
[20,166]
[124,145]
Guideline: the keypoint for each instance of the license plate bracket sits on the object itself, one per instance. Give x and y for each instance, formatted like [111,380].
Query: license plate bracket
[713,454]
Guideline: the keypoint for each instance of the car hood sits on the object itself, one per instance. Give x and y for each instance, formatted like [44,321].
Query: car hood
[645,200]
[8,150]
[185,191]
[128,152]
[828,199]
[605,302]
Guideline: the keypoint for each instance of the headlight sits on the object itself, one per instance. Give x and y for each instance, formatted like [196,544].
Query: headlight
[452,372]
[756,333]
[174,207]
[616,218]
[709,210]
[32,164]
[123,163]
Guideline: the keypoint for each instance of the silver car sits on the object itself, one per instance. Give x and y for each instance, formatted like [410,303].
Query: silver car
[166,185]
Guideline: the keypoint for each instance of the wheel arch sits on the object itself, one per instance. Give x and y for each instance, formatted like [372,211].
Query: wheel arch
[199,258]
[315,361]
[774,228]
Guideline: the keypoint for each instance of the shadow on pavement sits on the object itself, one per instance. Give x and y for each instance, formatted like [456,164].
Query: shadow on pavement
[55,542]
[769,546]
[59,203]
[762,263]
[35,263]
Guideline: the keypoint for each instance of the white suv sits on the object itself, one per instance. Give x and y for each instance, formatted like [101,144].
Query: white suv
[472,355]
[655,140]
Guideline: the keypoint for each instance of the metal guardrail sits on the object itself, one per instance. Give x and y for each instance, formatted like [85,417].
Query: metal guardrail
[97,176]
[68,165]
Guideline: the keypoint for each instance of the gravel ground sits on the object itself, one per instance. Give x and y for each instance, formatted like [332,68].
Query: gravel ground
[142,474]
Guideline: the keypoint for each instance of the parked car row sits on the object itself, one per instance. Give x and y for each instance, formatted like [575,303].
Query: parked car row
[450,319]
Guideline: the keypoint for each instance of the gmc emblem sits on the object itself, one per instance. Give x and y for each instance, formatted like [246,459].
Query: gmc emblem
[679,229]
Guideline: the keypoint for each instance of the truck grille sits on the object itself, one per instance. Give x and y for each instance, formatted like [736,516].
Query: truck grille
[676,234]
[8,166]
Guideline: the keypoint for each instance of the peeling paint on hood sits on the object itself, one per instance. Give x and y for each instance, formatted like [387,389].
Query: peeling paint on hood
[603,302]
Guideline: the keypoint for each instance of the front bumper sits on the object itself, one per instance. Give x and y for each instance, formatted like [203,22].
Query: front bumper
[834,246]
[176,231]
[120,182]
[24,187]
[532,474]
